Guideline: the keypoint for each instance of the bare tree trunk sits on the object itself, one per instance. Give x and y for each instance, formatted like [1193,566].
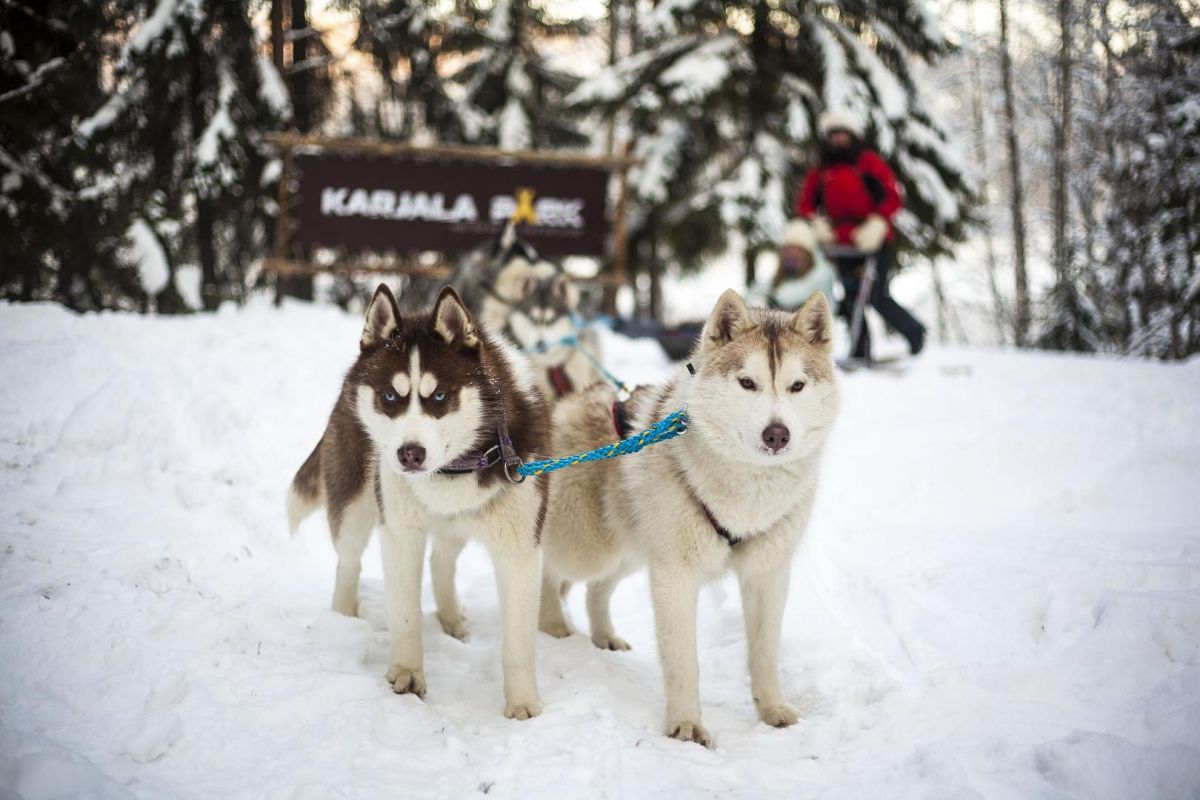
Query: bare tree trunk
[654,267]
[949,322]
[1021,319]
[277,34]
[609,297]
[1124,267]
[1062,135]
[614,30]
[939,295]
[999,312]
[300,286]
[210,284]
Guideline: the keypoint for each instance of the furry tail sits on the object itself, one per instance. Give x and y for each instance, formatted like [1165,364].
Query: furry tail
[305,495]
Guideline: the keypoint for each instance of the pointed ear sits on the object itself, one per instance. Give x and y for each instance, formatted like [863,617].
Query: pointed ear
[525,250]
[505,239]
[729,318]
[452,321]
[383,317]
[814,321]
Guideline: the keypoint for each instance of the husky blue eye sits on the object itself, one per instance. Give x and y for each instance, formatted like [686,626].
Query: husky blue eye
[439,397]
[748,384]
[389,397]
[798,386]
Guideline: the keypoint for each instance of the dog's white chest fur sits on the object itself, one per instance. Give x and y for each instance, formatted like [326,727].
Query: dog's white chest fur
[749,503]
[438,496]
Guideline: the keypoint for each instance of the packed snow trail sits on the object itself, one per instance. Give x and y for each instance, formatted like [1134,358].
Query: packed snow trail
[999,595]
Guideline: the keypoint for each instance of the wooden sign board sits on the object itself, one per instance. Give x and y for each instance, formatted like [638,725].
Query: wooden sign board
[360,202]
[358,197]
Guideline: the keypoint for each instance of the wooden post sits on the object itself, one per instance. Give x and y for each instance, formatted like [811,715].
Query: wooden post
[281,219]
[620,221]
[277,35]
[614,12]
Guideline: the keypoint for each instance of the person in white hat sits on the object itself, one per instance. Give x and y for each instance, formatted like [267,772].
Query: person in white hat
[849,198]
[802,271]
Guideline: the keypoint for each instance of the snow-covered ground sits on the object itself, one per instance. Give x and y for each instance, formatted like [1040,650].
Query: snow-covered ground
[999,595]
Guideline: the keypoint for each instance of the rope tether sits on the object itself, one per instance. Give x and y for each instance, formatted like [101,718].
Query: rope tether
[668,427]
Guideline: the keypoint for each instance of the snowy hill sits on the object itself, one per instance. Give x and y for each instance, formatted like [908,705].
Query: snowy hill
[999,595]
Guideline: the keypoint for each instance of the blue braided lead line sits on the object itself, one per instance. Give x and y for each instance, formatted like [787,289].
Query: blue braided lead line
[666,428]
[613,379]
[542,347]
[573,342]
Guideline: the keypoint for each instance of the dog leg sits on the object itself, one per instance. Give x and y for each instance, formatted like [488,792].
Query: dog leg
[442,560]
[599,593]
[550,614]
[349,540]
[518,562]
[403,560]
[764,595]
[675,592]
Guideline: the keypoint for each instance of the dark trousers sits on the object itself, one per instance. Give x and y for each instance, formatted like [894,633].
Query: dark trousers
[851,270]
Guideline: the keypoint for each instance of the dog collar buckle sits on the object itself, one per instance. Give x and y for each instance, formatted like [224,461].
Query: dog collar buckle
[508,454]
[489,457]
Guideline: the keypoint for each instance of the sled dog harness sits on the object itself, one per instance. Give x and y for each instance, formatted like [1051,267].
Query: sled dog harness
[517,471]
[620,418]
[560,380]
[573,342]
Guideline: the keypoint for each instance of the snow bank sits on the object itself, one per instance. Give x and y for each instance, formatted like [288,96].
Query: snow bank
[999,595]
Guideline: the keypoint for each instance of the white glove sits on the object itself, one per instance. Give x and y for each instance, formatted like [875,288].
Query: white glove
[868,237]
[823,230]
[800,233]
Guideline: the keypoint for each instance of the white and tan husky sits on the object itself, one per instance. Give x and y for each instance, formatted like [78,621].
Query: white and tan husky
[733,493]
[431,416]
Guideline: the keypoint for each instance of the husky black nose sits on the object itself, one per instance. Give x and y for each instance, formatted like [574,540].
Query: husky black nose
[776,436]
[412,455]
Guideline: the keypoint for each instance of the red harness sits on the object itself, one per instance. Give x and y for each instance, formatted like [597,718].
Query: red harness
[559,380]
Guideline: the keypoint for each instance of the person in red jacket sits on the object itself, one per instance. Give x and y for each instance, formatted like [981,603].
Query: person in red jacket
[850,198]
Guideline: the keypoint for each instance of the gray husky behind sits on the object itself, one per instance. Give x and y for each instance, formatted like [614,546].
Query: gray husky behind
[535,303]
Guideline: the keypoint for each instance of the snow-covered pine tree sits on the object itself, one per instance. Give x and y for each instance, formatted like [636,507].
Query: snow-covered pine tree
[465,73]
[191,95]
[1074,321]
[153,147]
[406,40]
[60,232]
[722,104]
[1154,220]
[510,81]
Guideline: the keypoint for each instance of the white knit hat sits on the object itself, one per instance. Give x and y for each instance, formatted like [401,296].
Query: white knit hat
[837,119]
[800,233]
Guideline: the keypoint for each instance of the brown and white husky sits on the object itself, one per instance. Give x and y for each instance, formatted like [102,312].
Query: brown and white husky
[432,418]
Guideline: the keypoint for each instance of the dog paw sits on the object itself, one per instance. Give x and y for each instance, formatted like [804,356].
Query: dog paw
[456,627]
[610,643]
[406,681]
[689,732]
[559,630]
[780,716]
[347,608]
[523,710]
